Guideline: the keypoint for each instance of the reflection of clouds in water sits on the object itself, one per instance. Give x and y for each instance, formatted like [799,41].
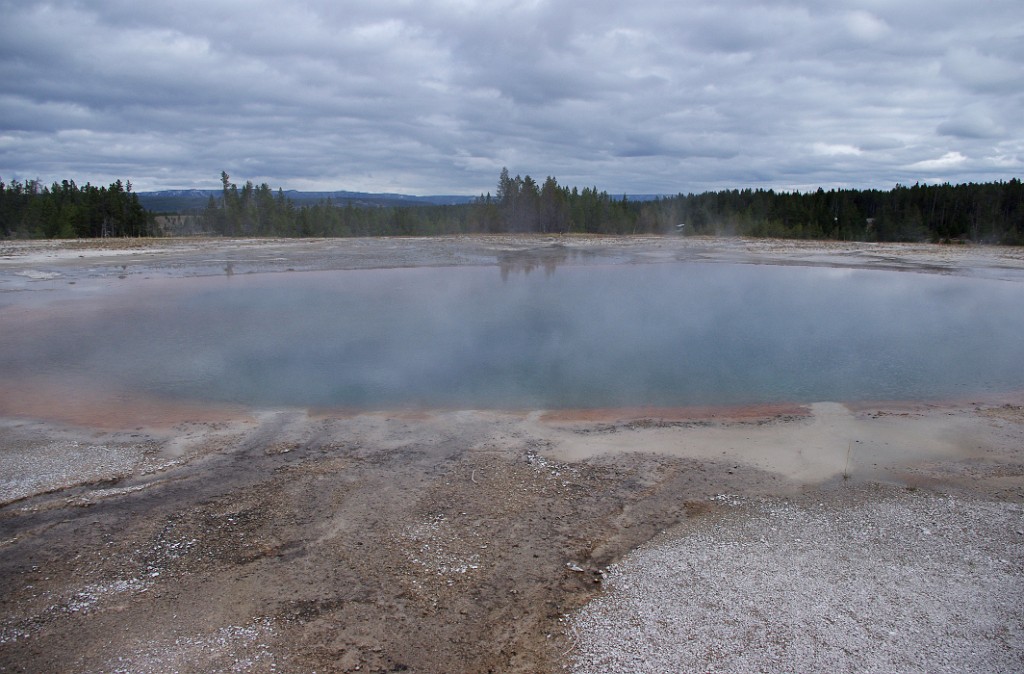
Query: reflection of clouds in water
[594,336]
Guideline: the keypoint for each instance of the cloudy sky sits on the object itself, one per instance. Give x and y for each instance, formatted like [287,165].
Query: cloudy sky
[435,96]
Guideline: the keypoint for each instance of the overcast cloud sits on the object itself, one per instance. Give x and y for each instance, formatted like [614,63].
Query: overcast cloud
[429,97]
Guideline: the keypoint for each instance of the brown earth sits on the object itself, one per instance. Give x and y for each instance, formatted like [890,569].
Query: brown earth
[444,544]
[183,540]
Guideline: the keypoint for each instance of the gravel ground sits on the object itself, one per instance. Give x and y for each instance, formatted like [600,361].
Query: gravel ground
[48,468]
[878,579]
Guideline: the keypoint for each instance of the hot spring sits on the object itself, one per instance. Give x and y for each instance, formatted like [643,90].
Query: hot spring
[672,334]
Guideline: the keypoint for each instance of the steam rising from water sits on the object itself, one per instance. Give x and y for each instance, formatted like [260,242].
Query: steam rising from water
[587,336]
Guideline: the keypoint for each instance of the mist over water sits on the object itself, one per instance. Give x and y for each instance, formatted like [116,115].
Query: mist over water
[576,336]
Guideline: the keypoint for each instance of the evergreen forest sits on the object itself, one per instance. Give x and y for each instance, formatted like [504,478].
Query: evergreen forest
[65,210]
[972,212]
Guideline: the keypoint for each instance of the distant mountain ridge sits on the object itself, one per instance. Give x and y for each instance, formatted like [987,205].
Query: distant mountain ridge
[179,201]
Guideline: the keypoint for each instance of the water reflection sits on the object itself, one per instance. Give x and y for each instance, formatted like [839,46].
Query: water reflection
[525,261]
[669,334]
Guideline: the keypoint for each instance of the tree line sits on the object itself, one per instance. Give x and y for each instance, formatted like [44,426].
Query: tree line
[975,212]
[520,205]
[68,211]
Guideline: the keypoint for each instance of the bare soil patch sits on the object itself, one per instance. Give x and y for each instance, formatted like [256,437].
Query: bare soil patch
[445,544]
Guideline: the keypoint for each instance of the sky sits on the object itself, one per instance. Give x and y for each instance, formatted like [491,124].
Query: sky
[436,96]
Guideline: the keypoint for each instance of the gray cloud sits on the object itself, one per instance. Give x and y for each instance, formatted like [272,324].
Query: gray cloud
[428,97]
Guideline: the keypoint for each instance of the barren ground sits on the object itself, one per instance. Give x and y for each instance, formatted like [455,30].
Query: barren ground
[144,538]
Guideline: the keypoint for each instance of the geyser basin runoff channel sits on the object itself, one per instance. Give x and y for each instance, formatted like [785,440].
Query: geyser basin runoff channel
[673,334]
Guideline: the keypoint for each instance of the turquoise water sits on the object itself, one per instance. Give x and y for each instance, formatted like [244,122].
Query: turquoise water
[578,336]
